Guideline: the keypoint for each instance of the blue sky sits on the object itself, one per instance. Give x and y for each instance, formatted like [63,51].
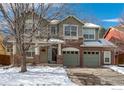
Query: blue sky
[104,14]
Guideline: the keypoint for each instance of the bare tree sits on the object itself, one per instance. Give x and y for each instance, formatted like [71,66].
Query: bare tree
[14,19]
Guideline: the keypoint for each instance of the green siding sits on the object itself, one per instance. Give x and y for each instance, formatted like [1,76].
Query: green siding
[49,55]
[71,59]
[91,60]
[44,56]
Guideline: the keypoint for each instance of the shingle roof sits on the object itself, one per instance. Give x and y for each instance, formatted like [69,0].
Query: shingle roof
[114,33]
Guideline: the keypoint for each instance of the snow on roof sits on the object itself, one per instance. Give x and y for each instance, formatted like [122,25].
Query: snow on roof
[54,21]
[91,25]
[52,40]
[98,43]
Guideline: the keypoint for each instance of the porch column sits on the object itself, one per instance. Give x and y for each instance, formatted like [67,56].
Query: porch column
[59,49]
[14,48]
[37,55]
[59,56]
[37,51]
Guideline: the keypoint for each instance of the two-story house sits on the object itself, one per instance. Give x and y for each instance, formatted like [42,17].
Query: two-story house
[72,42]
[116,36]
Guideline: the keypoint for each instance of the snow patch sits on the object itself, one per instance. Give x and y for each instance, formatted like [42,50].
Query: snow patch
[116,68]
[35,76]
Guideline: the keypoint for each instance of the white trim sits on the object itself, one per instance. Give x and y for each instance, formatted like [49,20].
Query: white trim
[14,48]
[70,37]
[70,49]
[107,54]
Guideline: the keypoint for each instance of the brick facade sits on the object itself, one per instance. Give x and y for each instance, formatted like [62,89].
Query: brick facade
[60,59]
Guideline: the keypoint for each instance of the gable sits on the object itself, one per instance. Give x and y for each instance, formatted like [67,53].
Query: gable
[71,20]
[114,34]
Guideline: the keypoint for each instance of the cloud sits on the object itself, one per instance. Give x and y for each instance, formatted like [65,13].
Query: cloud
[116,20]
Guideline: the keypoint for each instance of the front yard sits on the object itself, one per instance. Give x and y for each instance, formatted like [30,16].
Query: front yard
[35,76]
[59,76]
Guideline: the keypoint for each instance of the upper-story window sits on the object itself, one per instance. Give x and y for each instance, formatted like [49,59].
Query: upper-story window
[89,33]
[70,30]
[53,30]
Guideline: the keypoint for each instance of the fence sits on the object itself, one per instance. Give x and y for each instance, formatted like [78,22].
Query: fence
[5,60]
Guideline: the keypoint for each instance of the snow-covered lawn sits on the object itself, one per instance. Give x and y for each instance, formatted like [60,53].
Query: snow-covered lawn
[116,68]
[35,76]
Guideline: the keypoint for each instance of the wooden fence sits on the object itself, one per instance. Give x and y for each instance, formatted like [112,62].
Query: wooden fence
[5,60]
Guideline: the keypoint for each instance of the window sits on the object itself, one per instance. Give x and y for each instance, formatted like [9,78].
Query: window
[85,52]
[70,30]
[106,59]
[64,52]
[89,33]
[31,52]
[68,52]
[53,30]
[76,52]
[97,52]
[88,52]
[9,48]
[72,52]
[93,53]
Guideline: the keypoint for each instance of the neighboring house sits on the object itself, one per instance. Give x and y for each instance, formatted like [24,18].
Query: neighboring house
[2,47]
[116,36]
[72,42]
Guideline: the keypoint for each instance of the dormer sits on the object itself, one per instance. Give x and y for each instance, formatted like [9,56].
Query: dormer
[90,31]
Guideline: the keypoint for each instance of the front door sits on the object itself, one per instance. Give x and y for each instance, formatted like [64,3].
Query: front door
[54,55]
[107,57]
[43,55]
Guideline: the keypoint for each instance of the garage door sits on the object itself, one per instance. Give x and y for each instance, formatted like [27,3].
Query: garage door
[91,58]
[71,56]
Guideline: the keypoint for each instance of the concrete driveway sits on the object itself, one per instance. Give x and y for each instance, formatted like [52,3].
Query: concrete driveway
[95,76]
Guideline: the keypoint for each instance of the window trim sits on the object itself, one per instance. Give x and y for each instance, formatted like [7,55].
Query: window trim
[94,31]
[70,37]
